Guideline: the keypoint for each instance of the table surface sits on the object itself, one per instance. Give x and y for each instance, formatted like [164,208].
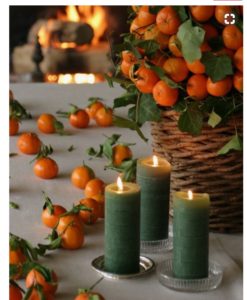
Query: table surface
[74,267]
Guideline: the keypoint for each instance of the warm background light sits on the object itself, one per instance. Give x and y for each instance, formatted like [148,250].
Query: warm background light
[155,161]
[190,195]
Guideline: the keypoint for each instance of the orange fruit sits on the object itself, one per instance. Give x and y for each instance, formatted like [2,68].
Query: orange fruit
[125,68]
[197,87]
[232,37]
[29,143]
[128,56]
[146,80]
[219,88]
[46,123]
[79,119]
[13,126]
[165,95]
[94,187]
[176,68]
[153,33]
[144,17]
[168,20]
[51,220]
[175,46]
[81,175]
[221,11]
[87,295]
[210,31]
[89,217]
[35,277]
[238,81]
[158,59]
[238,59]
[225,51]
[136,29]
[205,47]
[196,67]
[67,220]
[14,292]
[72,238]
[104,117]
[202,13]
[45,168]
[120,153]
[92,108]
[18,258]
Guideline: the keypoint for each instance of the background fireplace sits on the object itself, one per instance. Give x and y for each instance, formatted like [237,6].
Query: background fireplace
[74,41]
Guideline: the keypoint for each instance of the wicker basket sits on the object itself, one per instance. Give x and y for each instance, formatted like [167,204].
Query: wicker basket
[196,166]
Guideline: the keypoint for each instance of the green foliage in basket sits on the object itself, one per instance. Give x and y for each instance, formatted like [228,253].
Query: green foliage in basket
[148,46]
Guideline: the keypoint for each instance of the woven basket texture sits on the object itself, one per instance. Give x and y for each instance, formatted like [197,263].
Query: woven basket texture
[197,166]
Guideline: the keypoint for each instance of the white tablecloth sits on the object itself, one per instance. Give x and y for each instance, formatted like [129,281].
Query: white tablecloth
[73,267]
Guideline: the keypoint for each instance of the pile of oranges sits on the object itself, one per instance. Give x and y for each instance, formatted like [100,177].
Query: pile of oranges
[163,27]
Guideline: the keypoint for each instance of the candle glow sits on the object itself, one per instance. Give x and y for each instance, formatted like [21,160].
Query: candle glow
[155,161]
[119,184]
[190,195]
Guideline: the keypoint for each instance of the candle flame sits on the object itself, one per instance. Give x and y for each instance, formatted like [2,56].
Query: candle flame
[155,161]
[119,183]
[190,195]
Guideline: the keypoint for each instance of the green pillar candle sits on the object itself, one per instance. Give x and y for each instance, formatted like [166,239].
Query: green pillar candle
[153,176]
[190,235]
[122,228]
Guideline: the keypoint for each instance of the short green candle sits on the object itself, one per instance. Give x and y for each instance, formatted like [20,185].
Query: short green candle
[153,176]
[190,235]
[122,228]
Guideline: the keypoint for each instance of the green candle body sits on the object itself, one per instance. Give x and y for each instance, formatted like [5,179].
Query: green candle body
[155,193]
[190,235]
[122,229]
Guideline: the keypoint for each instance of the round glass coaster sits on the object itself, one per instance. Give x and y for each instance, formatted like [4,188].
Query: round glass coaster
[166,278]
[157,246]
[146,265]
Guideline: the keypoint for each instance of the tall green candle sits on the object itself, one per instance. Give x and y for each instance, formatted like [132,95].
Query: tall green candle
[122,228]
[153,176]
[190,235]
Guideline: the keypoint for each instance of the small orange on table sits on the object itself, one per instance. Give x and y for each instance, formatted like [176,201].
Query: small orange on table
[81,175]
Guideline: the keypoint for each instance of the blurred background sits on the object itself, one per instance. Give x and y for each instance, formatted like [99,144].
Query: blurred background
[64,44]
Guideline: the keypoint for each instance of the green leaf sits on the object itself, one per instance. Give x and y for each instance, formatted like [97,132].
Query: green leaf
[18,111]
[147,110]
[149,46]
[191,120]
[40,291]
[125,123]
[28,293]
[214,119]
[123,82]
[13,270]
[71,148]
[92,152]
[235,143]
[59,128]
[238,19]
[163,76]
[12,154]
[180,105]
[14,205]
[125,100]
[107,150]
[217,67]
[181,11]
[191,38]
